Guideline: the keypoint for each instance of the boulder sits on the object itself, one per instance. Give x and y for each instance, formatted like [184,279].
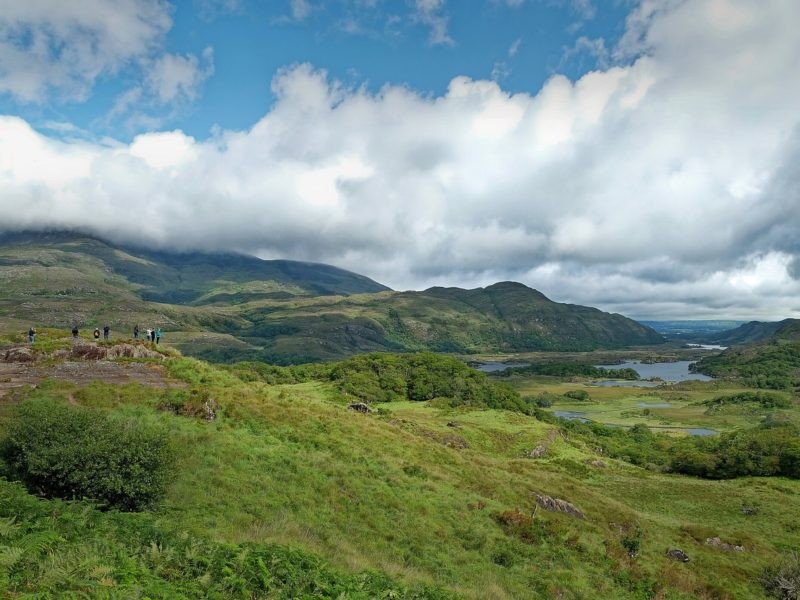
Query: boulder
[558,505]
[716,542]
[678,554]
[597,464]
[360,407]
[453,424]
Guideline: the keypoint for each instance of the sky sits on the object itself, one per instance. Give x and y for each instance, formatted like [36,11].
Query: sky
[641,156]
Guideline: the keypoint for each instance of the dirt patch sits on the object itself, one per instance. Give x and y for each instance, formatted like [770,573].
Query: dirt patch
[16,375]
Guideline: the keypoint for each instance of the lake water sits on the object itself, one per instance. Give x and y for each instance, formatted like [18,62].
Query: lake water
[707,346]
[654,404]
[668,371]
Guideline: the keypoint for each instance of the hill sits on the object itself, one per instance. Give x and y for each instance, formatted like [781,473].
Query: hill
[763,355]
[228,307]
[183,278]
[432,494]
[757,331]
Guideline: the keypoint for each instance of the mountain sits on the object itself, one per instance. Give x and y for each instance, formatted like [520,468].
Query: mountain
[233,307]
[186,278]
[504,317]
[764,355]
[757,331]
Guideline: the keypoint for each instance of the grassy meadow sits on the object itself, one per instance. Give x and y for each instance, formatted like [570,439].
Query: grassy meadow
[288,493]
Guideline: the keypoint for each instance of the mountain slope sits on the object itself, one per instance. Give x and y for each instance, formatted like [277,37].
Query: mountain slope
[188,278]
[505,317]
[233,307]
[757,331]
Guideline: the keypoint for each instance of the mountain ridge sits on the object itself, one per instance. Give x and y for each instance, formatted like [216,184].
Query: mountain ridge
[232,307]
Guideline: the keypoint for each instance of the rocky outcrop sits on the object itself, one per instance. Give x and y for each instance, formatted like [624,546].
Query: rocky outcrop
[559,505]
[678,554]
[89,351]
[537,452]
[19,354]
[716,542]
[360,407]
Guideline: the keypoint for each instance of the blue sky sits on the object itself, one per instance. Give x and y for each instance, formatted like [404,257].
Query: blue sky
[641,156]
[359,43]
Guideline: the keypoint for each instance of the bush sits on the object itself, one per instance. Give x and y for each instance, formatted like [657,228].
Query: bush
[581,395]
[71,452]
[783,580]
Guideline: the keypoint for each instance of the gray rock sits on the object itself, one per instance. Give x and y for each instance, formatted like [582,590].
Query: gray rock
[678,554]
[559,505]
[538,452]
[716,542]
[360,407]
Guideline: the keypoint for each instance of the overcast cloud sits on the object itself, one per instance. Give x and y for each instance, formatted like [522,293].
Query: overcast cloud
[667,185]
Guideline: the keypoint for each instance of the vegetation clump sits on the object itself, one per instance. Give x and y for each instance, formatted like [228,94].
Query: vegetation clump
[380,377]
[765,400]
[72,452]
[564,369]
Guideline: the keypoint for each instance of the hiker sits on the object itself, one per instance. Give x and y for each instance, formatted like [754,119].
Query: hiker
[96,334]
[75,332]
[158,335]
[31,335]
[136,332]
[106,330]
[149,335]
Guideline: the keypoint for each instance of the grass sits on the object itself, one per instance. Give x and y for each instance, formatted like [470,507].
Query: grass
[623,405]
[403,493]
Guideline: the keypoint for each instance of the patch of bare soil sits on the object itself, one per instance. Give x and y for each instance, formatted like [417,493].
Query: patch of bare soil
[15,375]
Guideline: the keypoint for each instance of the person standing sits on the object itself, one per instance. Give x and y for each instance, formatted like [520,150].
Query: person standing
[75,332]
[149,335]
[32,335]
[96,334]
[158,335]
[106,331]
[136,331]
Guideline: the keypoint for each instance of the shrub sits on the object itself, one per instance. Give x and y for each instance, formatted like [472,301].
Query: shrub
[581,395]
[71,452]
[783,581]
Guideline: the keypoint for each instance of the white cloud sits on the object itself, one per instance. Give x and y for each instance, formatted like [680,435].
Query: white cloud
[668,186]
[174,77]
[432,14]
[514,47]
[51,46]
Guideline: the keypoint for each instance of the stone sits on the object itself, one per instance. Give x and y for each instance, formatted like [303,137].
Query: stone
[453,424]
[678,554]
[360,407]
[716,542]
[538,452]
[559,505]
[598,464]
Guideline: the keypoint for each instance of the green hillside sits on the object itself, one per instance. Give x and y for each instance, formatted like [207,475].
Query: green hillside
[277,489]
[234,307]
[767,355]
[758,331]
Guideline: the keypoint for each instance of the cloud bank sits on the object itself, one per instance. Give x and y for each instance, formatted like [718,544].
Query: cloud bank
[667,185]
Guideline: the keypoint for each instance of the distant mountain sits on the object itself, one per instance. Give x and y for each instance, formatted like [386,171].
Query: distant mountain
[186,278]
[504,317]
[702,330]
[758,331]
[234,307]
[765,355]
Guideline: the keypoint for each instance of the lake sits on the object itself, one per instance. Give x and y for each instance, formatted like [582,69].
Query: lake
[668,371]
